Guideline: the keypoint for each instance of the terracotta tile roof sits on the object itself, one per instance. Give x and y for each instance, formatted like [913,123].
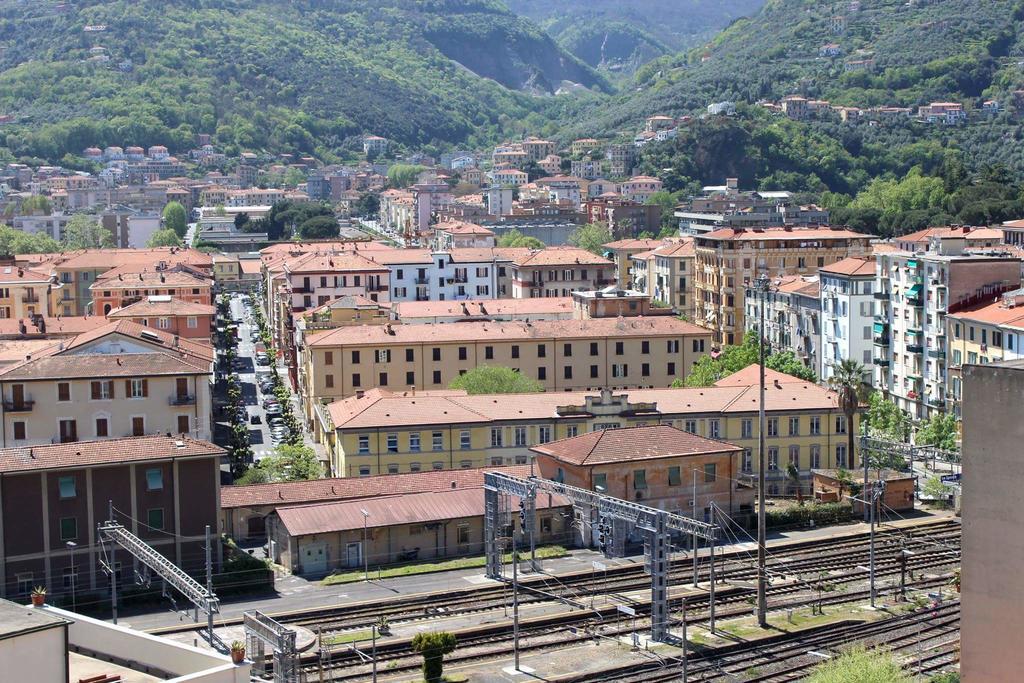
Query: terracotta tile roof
[748,377]
[476,308]
[854,266]
[201,350]
[681,249]
[113,258]
[250,266]
[111,451]
[385,511]
[152,278]
[883,248]
[162,305]
[798,234]
[389,257]
[795,284]
[332,263]
[486,255]
[14,274]
[463,228]
[347,301]
[631,444]
[60,326]
[993,313]
[635,244]
[922,236]
[509,330]
[344,488]
[560,256]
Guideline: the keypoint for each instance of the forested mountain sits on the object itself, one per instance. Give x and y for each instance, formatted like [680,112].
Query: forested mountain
[301,76]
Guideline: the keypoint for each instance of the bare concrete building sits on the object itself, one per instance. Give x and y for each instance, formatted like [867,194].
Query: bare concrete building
[992,609]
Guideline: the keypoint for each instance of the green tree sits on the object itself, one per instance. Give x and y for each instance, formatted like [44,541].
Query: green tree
[494,379]
[85,232]
[318,227]
[940,431]
[732,359]
[788,363]
[37,205]
[301,461]
[592,237]
[847,381]
[793,474]
[860,666]
[367,205]
[176,218]
[514,238]
[404,175]
[164,238]
[885,419]
[14,242]
[934,487]
[433,646]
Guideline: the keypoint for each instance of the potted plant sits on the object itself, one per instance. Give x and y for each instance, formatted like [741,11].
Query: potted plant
[38,596]
[237,651]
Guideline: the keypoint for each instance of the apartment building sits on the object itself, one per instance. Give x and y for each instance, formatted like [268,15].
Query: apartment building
[983,334]
[974,238]
[173,316]
[559,271]
[121,379]
[625,218]
[726,206]
[728,260]
[314,279]
[561,354]
[25,293]
[640,188]
[622,253]
[439,312]
[119,287]
[165,489]
[847,314]
[666,275]
[914,294]
[390,432]
[792,317]
[450,235]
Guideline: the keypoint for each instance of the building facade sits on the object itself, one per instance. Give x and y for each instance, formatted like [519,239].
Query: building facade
[847,314]
[792,317]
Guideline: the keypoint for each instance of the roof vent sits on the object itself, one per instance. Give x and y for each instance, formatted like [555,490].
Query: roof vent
[179,444]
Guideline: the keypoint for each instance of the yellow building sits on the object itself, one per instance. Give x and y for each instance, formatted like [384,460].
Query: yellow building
[622,253]
[666,275]
[563,355]
[25,293]
[227,271]
[980,335]
[728,259]
[382,432]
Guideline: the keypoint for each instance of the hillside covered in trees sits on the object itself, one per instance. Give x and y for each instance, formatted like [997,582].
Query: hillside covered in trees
[302,76]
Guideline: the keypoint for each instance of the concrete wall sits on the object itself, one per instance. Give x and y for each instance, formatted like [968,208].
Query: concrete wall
[32,657]
[137,649]
[992,611]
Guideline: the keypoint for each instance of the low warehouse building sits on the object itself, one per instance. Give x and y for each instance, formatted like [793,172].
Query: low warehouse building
[899,488]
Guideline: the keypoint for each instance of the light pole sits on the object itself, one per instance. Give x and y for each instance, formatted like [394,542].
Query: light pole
[71,545]
[366,555]
[763,285]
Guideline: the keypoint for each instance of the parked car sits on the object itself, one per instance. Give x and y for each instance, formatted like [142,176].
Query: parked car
[255,419]
[267,400]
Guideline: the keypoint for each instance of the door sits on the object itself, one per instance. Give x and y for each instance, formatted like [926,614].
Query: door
[18,395]
[68,431]
[182,386]
[138,426]
[314,558]
[355,555]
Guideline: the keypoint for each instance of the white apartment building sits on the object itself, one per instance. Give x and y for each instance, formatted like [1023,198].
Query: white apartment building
[792,316]
[847,313]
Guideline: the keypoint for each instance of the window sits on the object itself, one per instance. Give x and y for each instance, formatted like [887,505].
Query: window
[593,348]
[748,460]
[542,351]
[154,479]
[392,443]
[102,390]
[355,357]
[794,426]
[393,468]
[463,534]
[437,377]
[435,353]
[747,429]
[25,582]
[437,441]
[600,481]
[382,379]
[815,425]
[464,440]
[841,455]
[714,428]
[68,431]
[698,345]
[465,464]
[572,430]
[496,440]
[773,426]
[66,486]
[138,425]
[63,391]
[68,528]
[137,388]
[183,424]
[542,374]
[410,355]
[773,459]
[489,353]
[593,371]
[794,456]
[674,476]
[414,442]
[645,369]
[155,518]
[815,456]
[710,473]
[463,353]
[192,322]
[619,348]
[515,351]
[356,379]
[410,378]
[840,424]
[520,436]
[329,381]
[690,426]
[620,370]
[415,467]
[19,431]
[364,444]
[163,323]
[671,369]
[639,480]
[567,350]
[672,346]
[567,372]
[543,434]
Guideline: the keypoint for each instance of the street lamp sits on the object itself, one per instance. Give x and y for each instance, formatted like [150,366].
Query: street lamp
[763,285]
[71,545]
[366,557]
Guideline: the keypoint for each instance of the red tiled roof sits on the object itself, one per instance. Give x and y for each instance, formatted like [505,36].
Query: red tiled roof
[347,488]
[472,331]
[106,452]
[113,258]
[560,256]
[13,274]
[922,236]
[631,444]
[162,306]
[482,308]
[463,228]
[332,263]
[635,244]
[60,326]
[782,234]
[853,266]
[152,278]
[993,313]
[748,377]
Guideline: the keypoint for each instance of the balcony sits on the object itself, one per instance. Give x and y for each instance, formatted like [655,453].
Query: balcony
[182,400]
[460,279]
[29,298]
[881,362]
[915,348]
[378,287]
[937,353]
[881,339]
[422,297]
[421,280]
[882,296]
[23,406]
[916,301]
[302,290]
[604,282]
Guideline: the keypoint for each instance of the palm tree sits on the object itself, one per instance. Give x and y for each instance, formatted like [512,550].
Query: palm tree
[847,381]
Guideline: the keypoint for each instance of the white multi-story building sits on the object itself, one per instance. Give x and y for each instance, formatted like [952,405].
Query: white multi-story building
[847,312]
[792,316]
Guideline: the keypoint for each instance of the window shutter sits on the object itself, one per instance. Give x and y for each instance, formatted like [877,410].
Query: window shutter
[95,390]
[145,388]
[127,388]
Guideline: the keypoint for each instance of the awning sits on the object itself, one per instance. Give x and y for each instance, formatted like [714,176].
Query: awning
[880,328]
[914,290]
[911,263]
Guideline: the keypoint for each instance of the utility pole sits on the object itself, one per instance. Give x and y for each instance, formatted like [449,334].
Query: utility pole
[693,507]
[71,545]
[711,575]
[684,640]
[366,555]
[866,459]
[762,284]
[113,568]
[373,634]
[515,602]
[209,582]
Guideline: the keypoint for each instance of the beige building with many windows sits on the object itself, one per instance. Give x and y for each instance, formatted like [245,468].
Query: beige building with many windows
[727,260]
[122,379]
[563,355]
[559,271]
[385,432]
